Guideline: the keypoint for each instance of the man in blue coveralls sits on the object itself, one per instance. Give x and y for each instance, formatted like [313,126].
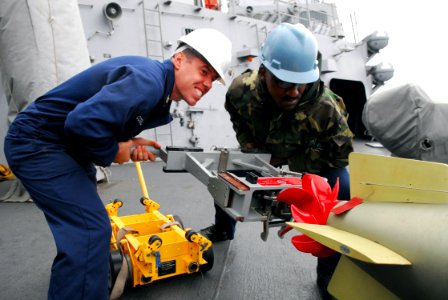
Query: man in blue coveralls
[94,118]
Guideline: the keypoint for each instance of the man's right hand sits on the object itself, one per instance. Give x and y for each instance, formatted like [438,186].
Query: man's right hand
[141,152]
[136,150]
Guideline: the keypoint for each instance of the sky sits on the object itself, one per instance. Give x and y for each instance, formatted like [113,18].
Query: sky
[418,46]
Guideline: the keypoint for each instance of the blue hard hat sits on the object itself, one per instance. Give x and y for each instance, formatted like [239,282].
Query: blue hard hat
[290,53]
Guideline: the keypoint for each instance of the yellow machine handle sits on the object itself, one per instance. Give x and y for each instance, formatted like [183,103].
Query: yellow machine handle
[151,206]
[141,179]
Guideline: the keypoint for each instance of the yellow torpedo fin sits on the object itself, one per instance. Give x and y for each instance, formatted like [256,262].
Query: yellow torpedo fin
[352,282]
[350,244]
[393,179]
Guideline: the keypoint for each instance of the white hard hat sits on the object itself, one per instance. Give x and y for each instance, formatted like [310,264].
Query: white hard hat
[214,46]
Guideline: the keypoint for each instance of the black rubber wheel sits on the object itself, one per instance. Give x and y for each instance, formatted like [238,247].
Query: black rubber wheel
[118,201]
[115,261]
[142,199]
[179,220]
[209,256]
[155,238]
[189,234]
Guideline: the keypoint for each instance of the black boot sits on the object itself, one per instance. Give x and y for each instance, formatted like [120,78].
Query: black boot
[214,234]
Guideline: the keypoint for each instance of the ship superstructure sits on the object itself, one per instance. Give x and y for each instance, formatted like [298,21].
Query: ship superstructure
[151,28]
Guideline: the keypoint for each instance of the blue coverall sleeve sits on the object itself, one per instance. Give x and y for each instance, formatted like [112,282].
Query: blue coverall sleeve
[96,125]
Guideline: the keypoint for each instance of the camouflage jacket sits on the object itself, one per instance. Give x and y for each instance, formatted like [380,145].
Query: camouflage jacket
[313,137]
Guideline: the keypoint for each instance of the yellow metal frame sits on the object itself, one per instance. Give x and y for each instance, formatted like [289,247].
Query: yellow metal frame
[155,246]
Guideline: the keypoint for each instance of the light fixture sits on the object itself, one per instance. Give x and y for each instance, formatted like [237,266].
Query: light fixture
[112,11]
[381,73]
[376,41]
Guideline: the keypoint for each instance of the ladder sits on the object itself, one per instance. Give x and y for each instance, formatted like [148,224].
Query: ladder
[157,43]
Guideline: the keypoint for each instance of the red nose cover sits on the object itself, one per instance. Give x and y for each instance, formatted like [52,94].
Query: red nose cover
[311,204]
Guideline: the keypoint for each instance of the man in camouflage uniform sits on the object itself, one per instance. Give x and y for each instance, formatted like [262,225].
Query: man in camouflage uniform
[307,130]
[283,108]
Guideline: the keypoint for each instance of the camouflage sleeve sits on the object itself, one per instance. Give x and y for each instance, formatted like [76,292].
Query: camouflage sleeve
[331,140]
[236,107]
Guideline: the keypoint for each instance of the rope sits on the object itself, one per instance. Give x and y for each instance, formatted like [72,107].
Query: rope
[122,276]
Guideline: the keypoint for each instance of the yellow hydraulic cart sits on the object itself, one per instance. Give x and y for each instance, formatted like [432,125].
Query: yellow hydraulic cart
[152,246]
